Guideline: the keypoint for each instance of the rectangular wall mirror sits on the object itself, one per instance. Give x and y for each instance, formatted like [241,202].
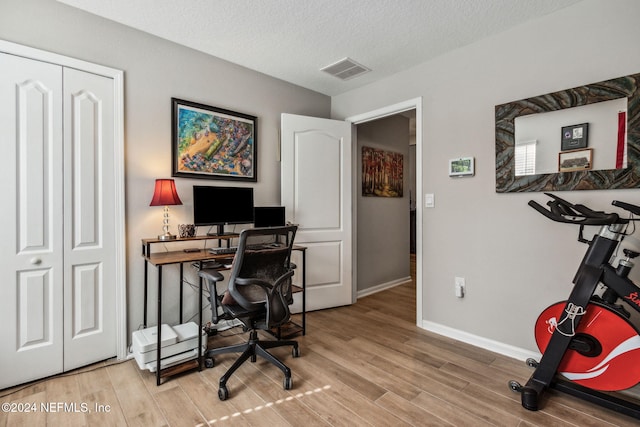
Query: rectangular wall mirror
[584,138]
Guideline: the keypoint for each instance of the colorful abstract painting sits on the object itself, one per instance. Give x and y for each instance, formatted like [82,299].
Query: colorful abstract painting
[213,143]
[382,173]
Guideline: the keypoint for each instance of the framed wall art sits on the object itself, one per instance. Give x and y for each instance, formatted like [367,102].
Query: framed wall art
[575,160]
[213,143]
[574,137]
[462,166]
[382,173]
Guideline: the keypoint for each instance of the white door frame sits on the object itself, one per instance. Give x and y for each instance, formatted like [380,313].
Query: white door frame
[411,104]
[118,178]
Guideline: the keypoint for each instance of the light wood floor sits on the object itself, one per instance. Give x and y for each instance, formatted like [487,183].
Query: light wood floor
[366,364]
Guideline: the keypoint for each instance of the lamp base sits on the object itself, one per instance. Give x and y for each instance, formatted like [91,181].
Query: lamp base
[167,236]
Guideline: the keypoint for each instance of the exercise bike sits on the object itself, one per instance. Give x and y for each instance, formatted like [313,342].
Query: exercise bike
[589,346]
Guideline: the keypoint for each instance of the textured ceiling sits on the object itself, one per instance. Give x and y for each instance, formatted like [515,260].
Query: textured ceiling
[293,39]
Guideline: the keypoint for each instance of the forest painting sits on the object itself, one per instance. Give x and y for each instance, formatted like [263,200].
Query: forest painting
[382,173]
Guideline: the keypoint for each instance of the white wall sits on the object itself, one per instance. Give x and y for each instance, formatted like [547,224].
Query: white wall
[383,222]
[515,261]
[156,70]
[544,128]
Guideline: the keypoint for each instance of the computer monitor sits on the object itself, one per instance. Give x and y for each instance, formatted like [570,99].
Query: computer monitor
[222,205]
[268,216]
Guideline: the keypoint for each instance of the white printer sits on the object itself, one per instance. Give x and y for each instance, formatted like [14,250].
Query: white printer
[179,344]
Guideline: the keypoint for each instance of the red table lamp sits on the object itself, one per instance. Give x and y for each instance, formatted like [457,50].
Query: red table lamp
[165,194]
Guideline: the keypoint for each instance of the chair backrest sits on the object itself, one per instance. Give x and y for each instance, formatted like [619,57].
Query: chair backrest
[260,275]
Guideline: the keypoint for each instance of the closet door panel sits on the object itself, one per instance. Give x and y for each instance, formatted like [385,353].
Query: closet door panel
[31,253]
[90,335]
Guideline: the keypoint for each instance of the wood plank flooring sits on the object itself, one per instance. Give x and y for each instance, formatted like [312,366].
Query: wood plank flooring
[362,365]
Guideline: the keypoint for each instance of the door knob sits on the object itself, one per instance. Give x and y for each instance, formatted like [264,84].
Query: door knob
[36,261]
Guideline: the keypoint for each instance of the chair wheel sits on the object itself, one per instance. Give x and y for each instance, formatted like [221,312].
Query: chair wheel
[295,352]
[223,393]
[515,386]
[209,362]
[288,383]
[532,363]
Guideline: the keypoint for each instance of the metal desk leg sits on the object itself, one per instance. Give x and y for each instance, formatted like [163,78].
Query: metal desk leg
[146,267]
[304,292]
[159,348]
[181,289]
[200,326]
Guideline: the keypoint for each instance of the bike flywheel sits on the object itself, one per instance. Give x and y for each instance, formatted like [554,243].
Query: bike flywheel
[604,353]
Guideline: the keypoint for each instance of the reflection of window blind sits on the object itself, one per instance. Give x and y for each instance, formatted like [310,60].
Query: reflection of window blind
[526,158]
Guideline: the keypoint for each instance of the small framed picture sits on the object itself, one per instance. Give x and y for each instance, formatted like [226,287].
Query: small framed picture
[575,160]
[574,137]
[462,166]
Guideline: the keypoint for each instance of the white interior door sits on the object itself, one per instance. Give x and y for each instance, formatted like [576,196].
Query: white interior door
[58,252]
[89,220]
[31,248]
[317,192]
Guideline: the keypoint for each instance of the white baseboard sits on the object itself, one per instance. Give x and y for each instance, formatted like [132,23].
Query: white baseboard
[487,344]
[383,286]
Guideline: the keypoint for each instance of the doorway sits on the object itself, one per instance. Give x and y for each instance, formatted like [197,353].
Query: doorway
[414,108]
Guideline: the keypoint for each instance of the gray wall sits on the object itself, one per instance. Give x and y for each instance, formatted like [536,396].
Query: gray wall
[154,71]
[515,261]
[383,222]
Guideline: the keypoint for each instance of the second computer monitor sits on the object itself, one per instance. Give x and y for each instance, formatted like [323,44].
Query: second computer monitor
[268,216]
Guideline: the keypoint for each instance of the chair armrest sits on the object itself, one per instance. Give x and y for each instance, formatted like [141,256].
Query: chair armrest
[212,276]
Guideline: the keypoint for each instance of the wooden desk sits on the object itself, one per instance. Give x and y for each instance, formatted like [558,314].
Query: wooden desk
[160,259]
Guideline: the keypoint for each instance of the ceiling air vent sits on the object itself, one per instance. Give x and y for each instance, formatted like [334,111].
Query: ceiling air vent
[345,69]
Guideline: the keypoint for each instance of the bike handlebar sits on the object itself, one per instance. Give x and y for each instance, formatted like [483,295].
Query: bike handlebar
[627,206]
[562,211]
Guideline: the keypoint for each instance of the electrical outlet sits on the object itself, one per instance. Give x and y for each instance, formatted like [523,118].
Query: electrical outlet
[459,286]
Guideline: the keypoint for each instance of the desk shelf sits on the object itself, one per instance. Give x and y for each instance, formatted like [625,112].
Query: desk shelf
[146,243]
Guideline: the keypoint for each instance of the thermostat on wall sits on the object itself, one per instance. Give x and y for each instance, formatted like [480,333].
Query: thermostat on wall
[462,166]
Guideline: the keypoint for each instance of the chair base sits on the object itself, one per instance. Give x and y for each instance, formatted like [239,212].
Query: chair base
[251,350]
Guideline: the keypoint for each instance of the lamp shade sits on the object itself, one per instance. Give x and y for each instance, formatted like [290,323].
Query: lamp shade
[165,193]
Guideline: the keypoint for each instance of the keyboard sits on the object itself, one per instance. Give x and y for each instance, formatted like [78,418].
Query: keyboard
[223,251]
[234,249]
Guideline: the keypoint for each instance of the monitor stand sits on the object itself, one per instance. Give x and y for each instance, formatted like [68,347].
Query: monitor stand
[220,232]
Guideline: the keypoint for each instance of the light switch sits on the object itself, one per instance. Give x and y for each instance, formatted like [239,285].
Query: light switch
[429,201]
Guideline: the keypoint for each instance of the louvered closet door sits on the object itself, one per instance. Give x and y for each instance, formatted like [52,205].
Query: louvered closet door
[31,245]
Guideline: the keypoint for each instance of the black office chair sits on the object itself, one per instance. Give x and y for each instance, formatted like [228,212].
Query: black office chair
[258,294]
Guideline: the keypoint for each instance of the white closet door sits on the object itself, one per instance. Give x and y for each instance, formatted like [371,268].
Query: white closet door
[89,220]
[31,249]
[58,250]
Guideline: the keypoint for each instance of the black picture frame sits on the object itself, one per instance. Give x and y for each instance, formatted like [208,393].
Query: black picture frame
[213,143]
[574,137]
